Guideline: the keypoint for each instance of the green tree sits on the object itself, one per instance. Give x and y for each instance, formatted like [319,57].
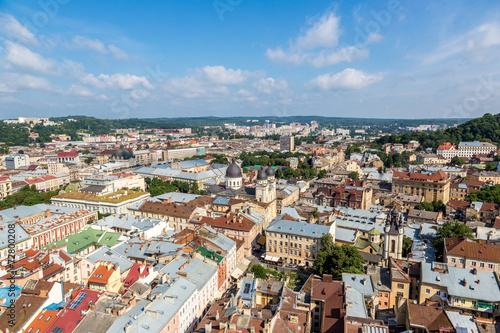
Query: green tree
[458,161]
[279,173]
[322,173]
[259,271]
[450,229]
[89,160]
[353,175]
[335,260]
[490,166]
[407,244]
[490,194]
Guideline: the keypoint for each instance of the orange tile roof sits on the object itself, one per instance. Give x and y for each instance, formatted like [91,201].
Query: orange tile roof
[42,321]
[101,274]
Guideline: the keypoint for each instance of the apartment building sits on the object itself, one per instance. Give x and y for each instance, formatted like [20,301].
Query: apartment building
[471,291]
[466,253]
[296,243]
[433,187]
[17,161]
[5,187]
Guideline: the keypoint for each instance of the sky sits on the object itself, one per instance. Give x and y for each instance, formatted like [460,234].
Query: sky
[171,58]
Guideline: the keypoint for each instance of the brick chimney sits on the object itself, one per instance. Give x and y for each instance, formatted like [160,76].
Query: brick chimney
[327,278]
[474,271]
[47,212]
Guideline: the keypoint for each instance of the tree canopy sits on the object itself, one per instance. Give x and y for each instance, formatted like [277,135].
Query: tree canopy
[335,260]
[450,229]
[490,194]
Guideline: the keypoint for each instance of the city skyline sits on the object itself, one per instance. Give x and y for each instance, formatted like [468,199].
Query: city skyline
[394,59]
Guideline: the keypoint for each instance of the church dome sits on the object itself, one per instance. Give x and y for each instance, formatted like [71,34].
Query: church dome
[262,175]
[270,171]
[123,154]
[233,170]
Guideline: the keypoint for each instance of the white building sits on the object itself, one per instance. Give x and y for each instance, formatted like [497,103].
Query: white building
[17,161]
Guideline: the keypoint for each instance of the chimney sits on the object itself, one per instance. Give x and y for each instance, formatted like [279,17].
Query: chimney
[47,212]
[465,283]
[327,278]
[478,282]
[40,274]
[474,271]
[1,218]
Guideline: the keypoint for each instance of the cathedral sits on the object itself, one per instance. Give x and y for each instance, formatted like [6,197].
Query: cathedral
[263,192]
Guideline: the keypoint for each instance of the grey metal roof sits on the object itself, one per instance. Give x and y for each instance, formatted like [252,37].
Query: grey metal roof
[299,228]
[197,270]
[463,321]
[106,254]
[487,290]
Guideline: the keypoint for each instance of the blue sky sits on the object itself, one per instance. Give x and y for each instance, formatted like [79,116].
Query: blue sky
[121,59]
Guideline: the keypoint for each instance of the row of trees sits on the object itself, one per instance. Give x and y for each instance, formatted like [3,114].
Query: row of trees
[157,186]
[28,196]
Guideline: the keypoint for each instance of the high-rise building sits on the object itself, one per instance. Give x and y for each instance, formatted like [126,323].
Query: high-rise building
[287,143]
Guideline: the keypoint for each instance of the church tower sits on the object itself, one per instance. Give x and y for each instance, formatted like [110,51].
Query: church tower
[261,188]
[393,242]
[271,181]
[234,178]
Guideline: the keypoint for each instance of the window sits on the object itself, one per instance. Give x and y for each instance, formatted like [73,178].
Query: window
[427,291]
[438,293]
[453,260]
[490,266]
[473,264]
[400,286]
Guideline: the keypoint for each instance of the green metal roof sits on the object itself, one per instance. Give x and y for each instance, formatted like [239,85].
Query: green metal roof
[209,254]
[86,238]
[374,232]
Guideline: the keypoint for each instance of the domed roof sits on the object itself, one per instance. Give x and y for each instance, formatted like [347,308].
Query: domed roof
[233,170]
[270,171]
[262,175]
[123,154]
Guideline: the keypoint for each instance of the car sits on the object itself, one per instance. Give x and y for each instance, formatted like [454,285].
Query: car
[290,266]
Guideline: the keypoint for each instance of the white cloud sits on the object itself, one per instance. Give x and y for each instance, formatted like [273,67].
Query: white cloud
[345,54]
[325,32]
[222,75]
[347,79]
[208,81]
[11,28]
[78,90]
[81,42]
[270,85]
[475,46]
[84,43]
[118,53]
[13,82]
[318,45]
[23,58]
[116,81]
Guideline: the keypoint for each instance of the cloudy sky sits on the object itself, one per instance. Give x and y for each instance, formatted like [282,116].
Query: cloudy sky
[121,59]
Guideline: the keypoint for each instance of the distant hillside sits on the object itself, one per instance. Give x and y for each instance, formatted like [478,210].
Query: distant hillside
[323,121]
[486,128]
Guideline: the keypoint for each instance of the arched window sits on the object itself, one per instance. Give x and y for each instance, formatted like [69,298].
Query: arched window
[393,245]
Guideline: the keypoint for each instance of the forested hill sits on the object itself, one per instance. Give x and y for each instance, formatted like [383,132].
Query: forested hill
[486,128]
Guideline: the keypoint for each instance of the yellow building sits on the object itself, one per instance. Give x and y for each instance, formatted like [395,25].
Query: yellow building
[105,277]
[433,187]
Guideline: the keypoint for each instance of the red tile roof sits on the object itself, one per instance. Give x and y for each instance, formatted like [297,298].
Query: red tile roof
[71,153]
[467,248]
[72,315]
